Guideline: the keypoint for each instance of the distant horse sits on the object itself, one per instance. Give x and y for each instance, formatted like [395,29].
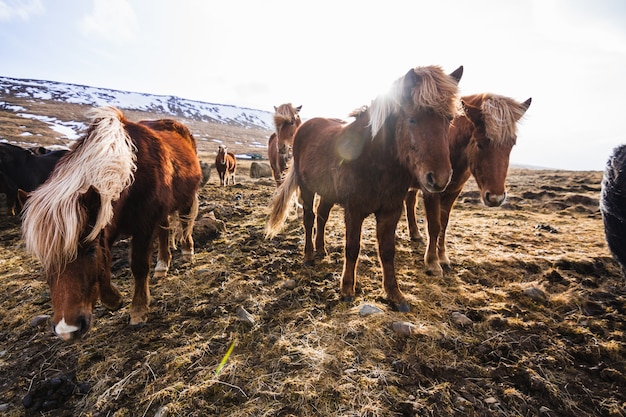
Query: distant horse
[279,147]
[120,179]
[226,165]
[368,165]
[613,205]
[481,140]
[22,169]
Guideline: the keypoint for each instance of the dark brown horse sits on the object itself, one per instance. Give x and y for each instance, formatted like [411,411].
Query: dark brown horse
[279,147]
[368,165]
[613,205]
[24,169]
[226,165]
[120,179]
[481,140]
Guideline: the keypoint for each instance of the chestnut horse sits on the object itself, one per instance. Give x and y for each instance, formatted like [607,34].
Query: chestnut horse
[120,179]
[613,205]
[279,147]
[367,167]
[226,165]
[481,140]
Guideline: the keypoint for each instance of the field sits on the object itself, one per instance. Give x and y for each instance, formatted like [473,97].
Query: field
[529,321]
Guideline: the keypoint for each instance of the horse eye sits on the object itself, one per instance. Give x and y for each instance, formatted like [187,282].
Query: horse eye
[412,121]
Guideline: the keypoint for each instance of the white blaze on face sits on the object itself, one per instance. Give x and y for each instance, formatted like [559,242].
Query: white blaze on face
[64,330]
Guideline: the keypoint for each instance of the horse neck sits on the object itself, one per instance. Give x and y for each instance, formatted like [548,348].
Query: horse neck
[460,134]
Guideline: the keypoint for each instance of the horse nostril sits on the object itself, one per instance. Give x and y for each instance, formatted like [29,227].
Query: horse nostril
[488,197]
[430,179]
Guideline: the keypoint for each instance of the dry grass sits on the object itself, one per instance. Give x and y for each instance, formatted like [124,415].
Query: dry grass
[309,353]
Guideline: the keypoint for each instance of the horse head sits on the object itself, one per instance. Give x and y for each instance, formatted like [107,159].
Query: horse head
[418,111]
[287,121]
[222,151]
[78,280]
[495,133]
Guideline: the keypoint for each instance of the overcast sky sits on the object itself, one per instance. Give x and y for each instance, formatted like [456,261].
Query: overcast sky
[334,56]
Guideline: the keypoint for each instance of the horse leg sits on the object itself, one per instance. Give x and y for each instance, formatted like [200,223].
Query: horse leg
[140,266]
[164,257]
[308,217]
[187,220]
[386,223]
[109,294]
[447,201]
[354,223]
[410,201]
[432,204]
[323,210]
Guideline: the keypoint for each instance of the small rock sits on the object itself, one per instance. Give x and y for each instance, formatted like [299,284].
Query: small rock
[244,316]
[368,309]
[491,400]
[40,320]
[161,412]
[289,284]
[536,294]
[403,328]
[461,319]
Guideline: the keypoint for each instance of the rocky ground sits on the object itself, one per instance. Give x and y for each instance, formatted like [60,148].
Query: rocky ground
[529,321]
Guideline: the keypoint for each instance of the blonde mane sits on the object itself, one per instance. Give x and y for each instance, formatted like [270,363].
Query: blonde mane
[436,90]
[285,113]
[54,218]
[501,115]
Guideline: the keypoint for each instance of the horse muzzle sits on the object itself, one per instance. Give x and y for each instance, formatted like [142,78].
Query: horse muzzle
[493,200]
[72,332]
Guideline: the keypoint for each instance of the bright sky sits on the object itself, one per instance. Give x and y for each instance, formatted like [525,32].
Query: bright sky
[332,56]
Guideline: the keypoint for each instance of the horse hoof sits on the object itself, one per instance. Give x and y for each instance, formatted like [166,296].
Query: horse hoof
[310,262]
[348,298]
[159,274]
[403,307]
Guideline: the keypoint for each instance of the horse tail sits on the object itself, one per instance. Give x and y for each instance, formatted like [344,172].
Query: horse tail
[103,161]
[281,202]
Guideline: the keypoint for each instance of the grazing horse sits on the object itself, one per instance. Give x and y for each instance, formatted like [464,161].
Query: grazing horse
[22,169]
[613,205]
[481,140]
[279,147]
[120,179]
[367,167]
[226,164]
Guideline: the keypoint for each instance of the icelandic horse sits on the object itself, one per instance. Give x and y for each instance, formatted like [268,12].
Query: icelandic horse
[120,179]
[481,139]
[613,205]
[226,165]
[279,146]
[367,166]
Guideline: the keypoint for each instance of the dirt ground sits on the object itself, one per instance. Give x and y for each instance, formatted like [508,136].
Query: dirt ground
[529,321]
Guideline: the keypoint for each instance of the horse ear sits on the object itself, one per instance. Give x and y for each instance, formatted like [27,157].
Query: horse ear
[457,73]
[526,104]
[410,80]
[298,109]
[473,113]
[22,196]
[275,108]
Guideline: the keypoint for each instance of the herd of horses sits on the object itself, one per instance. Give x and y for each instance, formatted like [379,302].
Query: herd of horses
[133,179]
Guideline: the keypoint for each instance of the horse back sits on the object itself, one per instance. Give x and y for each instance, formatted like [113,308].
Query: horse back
[168,171]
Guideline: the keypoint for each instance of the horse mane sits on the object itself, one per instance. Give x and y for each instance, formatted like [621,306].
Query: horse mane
[285,113]
[435,89]
[500,116]
[54,217]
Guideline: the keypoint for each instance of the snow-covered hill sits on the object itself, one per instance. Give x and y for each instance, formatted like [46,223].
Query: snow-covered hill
[172,105]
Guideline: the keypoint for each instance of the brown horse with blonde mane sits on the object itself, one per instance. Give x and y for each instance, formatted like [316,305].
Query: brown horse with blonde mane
[481,140]
[226,165]
[120,179]
[367,167]
[279,146]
